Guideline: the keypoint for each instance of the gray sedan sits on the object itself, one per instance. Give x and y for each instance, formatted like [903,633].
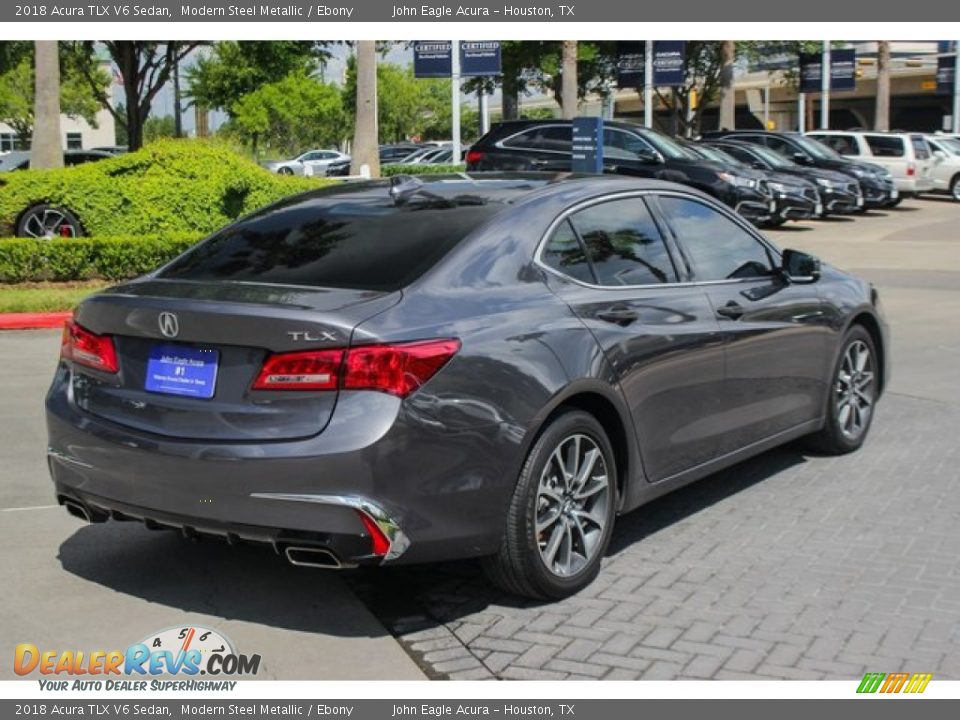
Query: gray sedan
[470,366]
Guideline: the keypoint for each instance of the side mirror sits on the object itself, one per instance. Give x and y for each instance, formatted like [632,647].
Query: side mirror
[650,157]
[801,159]
[799,267]
[939,155]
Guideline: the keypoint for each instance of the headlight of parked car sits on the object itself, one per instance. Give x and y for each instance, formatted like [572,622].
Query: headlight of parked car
[738,181]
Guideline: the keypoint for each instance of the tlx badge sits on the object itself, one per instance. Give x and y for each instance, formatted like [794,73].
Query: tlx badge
[310,336]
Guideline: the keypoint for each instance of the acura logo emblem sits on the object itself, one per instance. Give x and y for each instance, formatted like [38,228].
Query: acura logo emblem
[169,325]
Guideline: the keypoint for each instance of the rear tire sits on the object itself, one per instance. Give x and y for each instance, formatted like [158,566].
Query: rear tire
[561,515]
[852,396]
[955,188]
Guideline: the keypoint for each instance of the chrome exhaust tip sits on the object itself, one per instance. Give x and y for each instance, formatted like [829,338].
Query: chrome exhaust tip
[78,510]
[316,557]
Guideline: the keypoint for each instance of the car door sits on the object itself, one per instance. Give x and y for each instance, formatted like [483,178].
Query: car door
[623,154]
[775,332]
[658,332]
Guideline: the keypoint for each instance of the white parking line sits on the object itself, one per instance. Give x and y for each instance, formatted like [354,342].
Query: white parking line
[34,507]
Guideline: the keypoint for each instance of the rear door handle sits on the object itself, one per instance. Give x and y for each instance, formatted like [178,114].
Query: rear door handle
[732,310]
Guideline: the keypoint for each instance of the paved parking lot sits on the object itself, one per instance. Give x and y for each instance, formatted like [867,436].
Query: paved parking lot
[787,566]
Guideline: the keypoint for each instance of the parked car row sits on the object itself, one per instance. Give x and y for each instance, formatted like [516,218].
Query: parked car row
[767,177]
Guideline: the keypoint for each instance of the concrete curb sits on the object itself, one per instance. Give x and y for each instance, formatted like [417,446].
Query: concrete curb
[33,321]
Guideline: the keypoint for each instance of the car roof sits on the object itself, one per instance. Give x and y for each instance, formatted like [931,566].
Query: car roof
[507,188]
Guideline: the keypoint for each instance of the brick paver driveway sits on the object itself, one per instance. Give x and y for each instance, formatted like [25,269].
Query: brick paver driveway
[790,565]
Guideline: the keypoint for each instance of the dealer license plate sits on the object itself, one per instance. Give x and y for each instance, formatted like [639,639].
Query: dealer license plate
[182,370]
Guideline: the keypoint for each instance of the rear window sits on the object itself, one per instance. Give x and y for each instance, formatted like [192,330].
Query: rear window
[886,145]
[364,244]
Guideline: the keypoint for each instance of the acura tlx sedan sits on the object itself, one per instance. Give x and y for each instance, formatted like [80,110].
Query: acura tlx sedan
[487,366]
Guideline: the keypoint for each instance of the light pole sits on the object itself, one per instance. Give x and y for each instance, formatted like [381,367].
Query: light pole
[956,87]
[455,99]
[648,83]
[825,87]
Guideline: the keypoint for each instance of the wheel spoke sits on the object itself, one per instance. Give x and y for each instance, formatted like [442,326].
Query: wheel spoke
[586,469]
[550,551]
[544,522]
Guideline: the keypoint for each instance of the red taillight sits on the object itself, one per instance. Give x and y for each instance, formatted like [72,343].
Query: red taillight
[379,542]
[395,369]
[911,170]
[310,370]
[86,348]
[474,156]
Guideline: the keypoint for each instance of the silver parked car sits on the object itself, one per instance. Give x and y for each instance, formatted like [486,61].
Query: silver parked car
[312,162]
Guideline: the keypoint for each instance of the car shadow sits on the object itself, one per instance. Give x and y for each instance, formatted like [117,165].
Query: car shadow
[248,582]
[788,228]
[251,583]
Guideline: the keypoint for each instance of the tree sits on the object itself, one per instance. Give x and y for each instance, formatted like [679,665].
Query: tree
[728,101]
[881,121]
[568,73]
[291,115]
[17,96]
[234,69]
[365,143]
[46,150]
[159,127]
[144,66]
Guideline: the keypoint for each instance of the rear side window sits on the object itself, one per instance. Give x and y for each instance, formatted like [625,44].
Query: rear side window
[843,144]
[364,244]
[920,147]
[565,254]
[718,247]
[886,145]
[624,244]
[555,138]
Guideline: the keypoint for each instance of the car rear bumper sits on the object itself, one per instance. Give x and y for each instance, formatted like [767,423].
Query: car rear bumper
[434,493]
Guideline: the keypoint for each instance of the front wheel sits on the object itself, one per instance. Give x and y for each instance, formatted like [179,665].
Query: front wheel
[561,514]
[853,394]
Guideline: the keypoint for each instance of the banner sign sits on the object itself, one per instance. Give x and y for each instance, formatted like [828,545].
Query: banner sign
[843,69]
[946,67]
[479,58]
[668,60]
[587,145]
[432,58]
[630,63]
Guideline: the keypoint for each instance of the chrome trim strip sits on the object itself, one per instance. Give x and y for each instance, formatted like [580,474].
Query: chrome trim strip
[709,202]
[68,459]
[399,542]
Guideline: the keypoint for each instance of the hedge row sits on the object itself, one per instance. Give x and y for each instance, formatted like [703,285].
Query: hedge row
[391,170]
[87,258]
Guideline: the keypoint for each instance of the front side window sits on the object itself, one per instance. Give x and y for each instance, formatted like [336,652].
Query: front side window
[718,247]
[843,144]
[624,244]
[885,145]
[620,145]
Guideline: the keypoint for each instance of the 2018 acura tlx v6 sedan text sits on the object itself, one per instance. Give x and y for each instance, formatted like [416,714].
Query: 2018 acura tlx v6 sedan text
[487,366]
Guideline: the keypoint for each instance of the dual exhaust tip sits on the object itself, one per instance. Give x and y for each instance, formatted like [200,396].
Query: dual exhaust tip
[316,557]
[299,555]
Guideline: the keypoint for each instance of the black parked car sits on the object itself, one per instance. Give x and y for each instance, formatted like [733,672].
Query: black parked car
[487,366]
[628,149]
[876,182]
[841,194]
[20,159]
[796,198]
[397,152]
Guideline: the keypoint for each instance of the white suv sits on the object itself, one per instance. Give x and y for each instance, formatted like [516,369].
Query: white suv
[946,164]
[905,155]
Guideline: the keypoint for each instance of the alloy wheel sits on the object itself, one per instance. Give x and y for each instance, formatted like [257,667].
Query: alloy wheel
[855,390]
[571,506]
[48,223]
[955,190]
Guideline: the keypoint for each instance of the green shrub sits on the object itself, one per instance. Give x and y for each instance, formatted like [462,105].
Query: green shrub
[391,170]
[87,258]
[172,186]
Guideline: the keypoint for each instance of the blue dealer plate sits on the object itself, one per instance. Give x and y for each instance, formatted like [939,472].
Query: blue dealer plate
[182,370]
